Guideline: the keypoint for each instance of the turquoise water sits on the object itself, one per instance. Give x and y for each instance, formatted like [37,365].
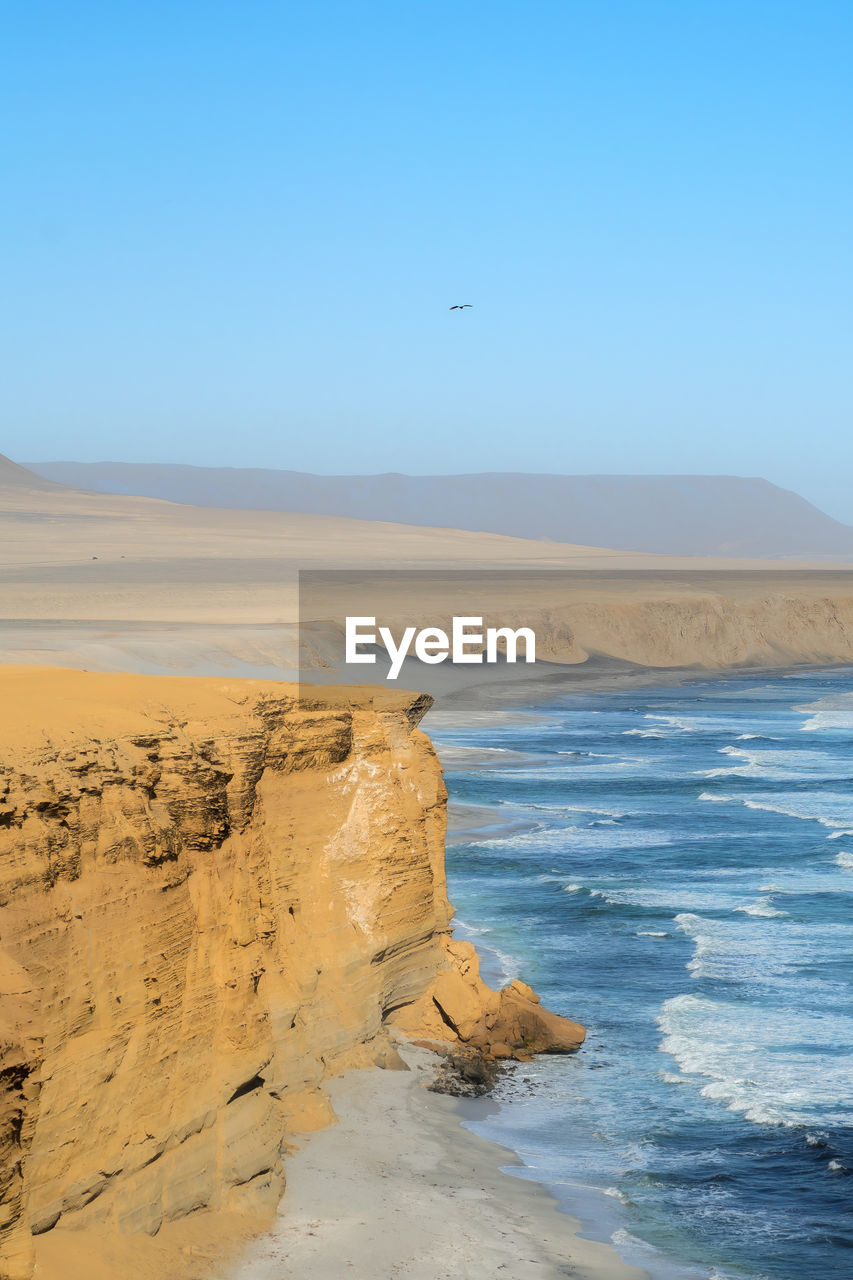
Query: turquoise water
[678,875]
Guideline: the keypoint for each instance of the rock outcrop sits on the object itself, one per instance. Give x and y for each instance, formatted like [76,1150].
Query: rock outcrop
[458,1007]
[213,894]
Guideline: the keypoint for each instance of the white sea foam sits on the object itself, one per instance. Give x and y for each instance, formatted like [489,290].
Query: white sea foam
[691,724]
[755,1062]
[651,933]
[831,809]
[602,766]
[556,840]
[844,860]
[510,966]
[819,877]
[664,726]
[622,1239]
[558,810]
[737,951]
[674,898]
[832,712]
[661,726]
[836,1166]
[475,929]
[763,908]
[507,964]
[640,1253]
[777,765]
[669,1077]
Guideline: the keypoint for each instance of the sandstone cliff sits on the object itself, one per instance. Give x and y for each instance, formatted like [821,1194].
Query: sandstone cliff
[212,895]
[653,619]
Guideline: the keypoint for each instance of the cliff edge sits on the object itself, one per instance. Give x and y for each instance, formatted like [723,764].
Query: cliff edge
[213,895]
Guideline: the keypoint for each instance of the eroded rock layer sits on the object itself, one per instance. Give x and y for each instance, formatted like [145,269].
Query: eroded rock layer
[212,895]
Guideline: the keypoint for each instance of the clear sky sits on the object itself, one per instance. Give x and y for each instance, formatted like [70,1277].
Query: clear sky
[233,232]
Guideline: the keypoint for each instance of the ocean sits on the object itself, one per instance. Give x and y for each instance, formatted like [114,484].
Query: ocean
[674,869]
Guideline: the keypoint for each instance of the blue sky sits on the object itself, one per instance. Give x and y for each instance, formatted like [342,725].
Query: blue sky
[233,232]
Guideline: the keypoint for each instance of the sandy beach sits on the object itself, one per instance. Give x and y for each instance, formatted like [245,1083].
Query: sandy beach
[398,1188]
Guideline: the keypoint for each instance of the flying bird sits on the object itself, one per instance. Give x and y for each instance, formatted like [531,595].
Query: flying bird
[460,306]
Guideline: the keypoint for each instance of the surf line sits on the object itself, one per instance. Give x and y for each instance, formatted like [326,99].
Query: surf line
[432,644]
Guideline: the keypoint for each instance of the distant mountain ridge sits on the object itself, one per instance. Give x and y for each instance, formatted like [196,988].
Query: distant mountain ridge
[684,515]
[13,476]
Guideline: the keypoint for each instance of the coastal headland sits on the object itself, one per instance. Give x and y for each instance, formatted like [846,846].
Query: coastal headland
[215,895]
[220,894]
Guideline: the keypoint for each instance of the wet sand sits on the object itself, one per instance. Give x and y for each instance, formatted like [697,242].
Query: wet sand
[398,1188]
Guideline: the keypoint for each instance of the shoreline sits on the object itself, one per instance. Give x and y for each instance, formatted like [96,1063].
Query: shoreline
[401,1187]
[481,822]
[496,702]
